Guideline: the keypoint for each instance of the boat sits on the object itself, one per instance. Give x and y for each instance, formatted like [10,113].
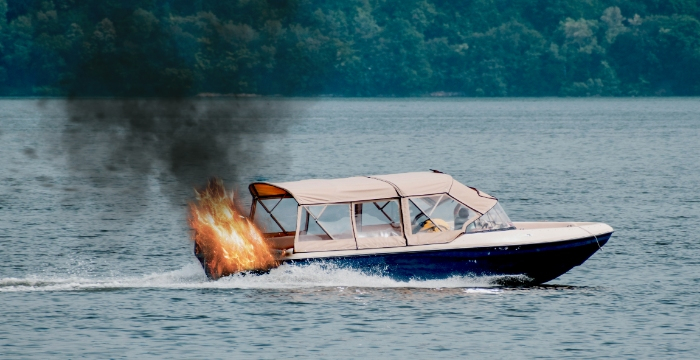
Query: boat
[415,226]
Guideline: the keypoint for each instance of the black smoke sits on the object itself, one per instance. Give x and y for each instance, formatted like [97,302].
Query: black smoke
[135,107]
[118,144]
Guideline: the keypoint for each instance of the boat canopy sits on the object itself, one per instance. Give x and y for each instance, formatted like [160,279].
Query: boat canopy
[367,211]
[329,191]
[324,191]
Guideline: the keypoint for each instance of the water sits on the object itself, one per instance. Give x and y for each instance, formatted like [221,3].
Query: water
[84,273]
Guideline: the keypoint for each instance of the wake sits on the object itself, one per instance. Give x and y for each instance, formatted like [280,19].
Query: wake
[287,276]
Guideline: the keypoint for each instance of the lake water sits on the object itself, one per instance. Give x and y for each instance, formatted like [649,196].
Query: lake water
[85,274]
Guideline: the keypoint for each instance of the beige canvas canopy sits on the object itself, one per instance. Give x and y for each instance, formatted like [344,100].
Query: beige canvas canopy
[324,191]
[329,191]
[405,189]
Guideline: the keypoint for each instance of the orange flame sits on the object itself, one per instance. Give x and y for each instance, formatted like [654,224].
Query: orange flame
[225,241]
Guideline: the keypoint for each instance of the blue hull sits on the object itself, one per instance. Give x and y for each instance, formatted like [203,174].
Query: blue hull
[538,262]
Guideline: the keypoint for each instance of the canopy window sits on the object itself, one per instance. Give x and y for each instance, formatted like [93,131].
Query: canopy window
[276,217]
[435,218]
[378,224]
[325,227]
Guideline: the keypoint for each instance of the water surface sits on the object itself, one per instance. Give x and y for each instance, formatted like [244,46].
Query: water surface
[83,274]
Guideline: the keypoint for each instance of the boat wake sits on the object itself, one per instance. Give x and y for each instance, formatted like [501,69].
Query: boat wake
[286,276]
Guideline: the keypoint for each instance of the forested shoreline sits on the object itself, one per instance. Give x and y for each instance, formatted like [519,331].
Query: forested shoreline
[350,48]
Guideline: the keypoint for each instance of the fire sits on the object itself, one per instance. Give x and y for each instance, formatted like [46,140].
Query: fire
[225,241]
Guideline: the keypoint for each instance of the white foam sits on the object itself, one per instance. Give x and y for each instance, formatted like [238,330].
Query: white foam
[192,276]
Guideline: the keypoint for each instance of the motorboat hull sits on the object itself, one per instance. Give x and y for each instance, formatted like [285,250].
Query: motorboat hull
[528,263]
[531,254]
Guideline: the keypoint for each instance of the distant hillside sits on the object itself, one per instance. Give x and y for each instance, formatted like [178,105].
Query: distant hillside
[350,47]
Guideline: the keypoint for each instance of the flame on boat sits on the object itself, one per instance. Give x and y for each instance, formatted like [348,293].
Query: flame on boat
[226,242]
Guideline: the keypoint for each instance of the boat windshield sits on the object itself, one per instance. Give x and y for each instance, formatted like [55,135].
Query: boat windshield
[437,213]
[494,219]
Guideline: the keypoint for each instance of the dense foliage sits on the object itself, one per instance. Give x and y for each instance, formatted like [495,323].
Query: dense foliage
[350,47]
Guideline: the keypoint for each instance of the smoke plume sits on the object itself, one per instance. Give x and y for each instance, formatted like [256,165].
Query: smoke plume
[148,122]
[119,143]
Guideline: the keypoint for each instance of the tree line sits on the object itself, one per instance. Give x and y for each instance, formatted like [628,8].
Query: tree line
[350,47]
